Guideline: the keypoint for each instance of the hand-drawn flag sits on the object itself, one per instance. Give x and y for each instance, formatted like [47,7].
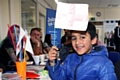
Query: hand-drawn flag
[72,16]
[19,43]
[28,46]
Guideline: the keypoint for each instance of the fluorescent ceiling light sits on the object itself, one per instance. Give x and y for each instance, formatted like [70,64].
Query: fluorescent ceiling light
[32,7]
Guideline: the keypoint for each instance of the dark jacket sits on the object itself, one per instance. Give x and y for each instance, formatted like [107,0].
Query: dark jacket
[117,38]
[92,66]
[117,35]
[5,57]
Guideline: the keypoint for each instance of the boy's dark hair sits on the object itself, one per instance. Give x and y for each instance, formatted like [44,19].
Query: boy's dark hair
[91,30]
[37,29]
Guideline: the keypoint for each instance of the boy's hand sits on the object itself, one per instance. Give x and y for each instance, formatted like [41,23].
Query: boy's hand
[53,54]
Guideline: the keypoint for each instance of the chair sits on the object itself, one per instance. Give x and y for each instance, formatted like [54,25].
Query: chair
[114,56]
[110,49]
[117,69]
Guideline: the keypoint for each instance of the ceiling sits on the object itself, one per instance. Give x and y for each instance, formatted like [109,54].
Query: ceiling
[92,3]
[26,4]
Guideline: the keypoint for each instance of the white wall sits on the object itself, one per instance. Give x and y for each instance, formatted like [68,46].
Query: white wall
[41,10]
[10,13]
[92,13]
[106,13]
[0,19]
[15,12]
[113,13]
[43,26]
[4,18]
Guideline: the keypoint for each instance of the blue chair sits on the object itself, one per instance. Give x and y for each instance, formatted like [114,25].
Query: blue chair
[114,56]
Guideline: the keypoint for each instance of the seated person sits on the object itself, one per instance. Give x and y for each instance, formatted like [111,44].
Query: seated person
[66,47]
[8,50]
[36,42]
[47,43]
[2,67]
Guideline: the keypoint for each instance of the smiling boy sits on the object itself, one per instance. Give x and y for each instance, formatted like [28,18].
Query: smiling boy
[87,63]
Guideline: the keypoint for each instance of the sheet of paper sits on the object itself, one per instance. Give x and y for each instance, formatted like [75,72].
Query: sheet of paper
[72,16]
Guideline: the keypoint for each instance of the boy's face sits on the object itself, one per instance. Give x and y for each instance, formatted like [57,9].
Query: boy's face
[81,42]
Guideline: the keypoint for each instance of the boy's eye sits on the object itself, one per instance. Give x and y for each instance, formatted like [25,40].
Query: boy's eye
[82,37]
[73,38]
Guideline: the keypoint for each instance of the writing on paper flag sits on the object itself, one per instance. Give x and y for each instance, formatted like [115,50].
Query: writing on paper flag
[72,16]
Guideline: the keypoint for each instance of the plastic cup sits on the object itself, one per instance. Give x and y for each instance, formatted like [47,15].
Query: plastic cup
[21,69]
[42,58]
[37,59]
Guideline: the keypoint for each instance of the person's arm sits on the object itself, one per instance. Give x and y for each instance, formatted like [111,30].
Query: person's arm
[11,53]
[107,72]
[46,47]
[37,46]
[59,72]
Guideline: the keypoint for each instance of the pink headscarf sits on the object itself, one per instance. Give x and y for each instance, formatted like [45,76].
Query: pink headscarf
[10,31]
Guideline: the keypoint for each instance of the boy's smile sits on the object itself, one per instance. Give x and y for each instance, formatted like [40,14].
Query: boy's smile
[81,42]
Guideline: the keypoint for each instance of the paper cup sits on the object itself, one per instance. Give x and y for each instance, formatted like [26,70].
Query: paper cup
[46,56]
[21,69]
[37,59]
[42,58]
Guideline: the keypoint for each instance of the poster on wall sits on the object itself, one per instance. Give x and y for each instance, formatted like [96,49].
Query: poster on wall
[109,26]
[55,32]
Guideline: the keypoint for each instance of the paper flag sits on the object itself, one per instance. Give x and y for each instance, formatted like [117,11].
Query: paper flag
[28,46]
[21,35]
[72,16]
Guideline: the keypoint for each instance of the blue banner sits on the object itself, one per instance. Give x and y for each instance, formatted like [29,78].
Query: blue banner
[55,32]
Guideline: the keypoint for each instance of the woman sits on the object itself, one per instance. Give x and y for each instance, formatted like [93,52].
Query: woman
[8,49]
[47,43]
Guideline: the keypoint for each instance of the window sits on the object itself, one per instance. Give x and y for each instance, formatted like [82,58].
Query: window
[28,14]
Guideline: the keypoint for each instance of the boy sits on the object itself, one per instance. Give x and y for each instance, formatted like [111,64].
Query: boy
[87,63]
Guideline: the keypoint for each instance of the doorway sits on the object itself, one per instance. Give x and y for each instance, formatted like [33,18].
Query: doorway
[100,32]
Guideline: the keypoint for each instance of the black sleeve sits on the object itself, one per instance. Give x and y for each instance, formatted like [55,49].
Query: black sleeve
[118,32]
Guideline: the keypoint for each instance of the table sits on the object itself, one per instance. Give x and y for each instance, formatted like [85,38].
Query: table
[29,68]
